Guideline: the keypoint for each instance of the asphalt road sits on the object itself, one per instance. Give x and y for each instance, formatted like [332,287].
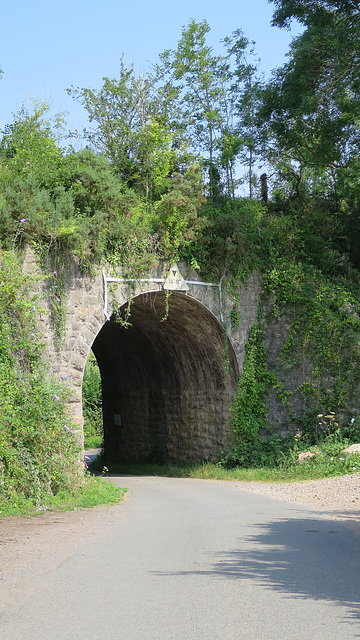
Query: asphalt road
[185,559]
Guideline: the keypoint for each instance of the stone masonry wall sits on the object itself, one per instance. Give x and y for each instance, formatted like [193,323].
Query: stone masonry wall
[202,415]
[190,418]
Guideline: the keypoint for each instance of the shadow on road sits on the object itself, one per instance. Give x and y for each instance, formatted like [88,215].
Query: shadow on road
[308,558]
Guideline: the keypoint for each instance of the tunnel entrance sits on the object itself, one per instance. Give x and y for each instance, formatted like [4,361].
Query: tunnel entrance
[167,383]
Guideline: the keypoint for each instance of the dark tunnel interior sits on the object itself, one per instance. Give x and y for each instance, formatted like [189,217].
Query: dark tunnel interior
[167,381]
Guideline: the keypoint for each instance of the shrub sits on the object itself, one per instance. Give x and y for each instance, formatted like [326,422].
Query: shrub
[92,403]
[258,453]
[39,455]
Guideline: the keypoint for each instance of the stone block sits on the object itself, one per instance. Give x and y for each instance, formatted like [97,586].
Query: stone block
[78,362]
[88,336]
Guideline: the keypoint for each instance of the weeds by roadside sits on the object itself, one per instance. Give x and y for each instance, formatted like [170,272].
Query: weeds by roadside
[92,492]
[274,460]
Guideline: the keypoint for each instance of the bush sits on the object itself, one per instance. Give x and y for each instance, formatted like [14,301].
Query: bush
[92,404]
[39,456]
[258,453]
[283,453]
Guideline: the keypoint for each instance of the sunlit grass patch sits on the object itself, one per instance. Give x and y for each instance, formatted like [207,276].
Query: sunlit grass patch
[92,492]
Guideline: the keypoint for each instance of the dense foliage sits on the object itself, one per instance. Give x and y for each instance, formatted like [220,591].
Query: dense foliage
[168,151]
[39,456]
[92,404]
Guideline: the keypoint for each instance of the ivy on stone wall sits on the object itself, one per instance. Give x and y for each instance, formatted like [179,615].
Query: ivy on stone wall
[324,332]
[321,349]
[249,411]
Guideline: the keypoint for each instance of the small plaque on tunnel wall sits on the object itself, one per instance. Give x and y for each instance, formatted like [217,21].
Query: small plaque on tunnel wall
[175,281]
[117,419]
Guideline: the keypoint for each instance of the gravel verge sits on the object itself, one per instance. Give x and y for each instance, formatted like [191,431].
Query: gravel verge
[337,498]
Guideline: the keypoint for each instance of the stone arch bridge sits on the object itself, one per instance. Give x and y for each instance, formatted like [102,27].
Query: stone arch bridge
[168,354]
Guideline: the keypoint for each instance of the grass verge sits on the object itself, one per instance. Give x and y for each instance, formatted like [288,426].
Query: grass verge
[93,491]
[93,442]
[323,465]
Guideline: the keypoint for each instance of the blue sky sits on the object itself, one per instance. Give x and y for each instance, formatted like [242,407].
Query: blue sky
[46,47]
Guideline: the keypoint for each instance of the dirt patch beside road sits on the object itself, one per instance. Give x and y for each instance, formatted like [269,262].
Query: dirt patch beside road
[338,498]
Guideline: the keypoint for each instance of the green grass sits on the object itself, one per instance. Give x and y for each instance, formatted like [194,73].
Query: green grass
[323,466]
[93,442]
[94,491]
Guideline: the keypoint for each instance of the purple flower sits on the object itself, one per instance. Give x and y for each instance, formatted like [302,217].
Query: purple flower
[87,458]
[56,398]
[67,428]
[23,220]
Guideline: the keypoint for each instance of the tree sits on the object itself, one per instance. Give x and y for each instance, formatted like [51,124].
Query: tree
[176,221]
[30,147]
[312,110]
[152,126]
[309,11]
[200,79]
[313,102]
[244,97]
[218,95]
[133,129]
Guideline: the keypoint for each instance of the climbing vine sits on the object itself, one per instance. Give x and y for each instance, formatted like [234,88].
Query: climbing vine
[234,292]
[321,350]
[324,333]
[57,302]
[52,260]
[249,411]
[166,313]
